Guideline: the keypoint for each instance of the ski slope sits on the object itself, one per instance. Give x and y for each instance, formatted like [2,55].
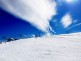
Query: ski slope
[53,48]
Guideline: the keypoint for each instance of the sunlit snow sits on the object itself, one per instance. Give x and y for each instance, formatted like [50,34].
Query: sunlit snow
[47,48]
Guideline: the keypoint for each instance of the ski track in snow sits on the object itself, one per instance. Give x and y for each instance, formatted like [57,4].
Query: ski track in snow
[55,48]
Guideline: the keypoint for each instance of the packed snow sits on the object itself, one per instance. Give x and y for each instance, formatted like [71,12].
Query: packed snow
[47,48]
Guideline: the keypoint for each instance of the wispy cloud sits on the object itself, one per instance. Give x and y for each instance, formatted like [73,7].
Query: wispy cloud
[74,25]
[37,12]
[66,20]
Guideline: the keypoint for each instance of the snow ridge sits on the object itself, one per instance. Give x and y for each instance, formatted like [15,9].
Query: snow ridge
[48,48]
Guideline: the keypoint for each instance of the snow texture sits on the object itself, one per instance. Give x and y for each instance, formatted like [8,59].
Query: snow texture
[53,48]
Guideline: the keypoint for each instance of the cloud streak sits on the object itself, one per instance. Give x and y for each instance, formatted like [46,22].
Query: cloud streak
[74,25]
[36,12]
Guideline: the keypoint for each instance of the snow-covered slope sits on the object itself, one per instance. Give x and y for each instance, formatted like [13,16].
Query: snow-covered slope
[54,48]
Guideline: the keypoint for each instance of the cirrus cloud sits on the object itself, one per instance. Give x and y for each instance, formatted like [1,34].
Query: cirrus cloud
[36,12]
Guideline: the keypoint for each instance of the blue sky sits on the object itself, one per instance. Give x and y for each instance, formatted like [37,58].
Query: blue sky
[61,18]
[11,26]
[74,9]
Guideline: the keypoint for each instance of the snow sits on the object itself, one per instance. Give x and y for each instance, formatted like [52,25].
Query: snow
[53,48]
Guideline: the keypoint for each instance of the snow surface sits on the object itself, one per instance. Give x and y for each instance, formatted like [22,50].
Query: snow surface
[53,48]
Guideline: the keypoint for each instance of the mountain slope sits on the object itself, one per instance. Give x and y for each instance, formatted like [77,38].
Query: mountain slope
[53,48]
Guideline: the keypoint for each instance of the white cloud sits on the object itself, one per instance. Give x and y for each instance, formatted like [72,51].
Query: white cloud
[66,20]
[37,12]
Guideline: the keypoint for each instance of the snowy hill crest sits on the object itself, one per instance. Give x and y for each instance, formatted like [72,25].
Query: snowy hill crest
[55,48]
